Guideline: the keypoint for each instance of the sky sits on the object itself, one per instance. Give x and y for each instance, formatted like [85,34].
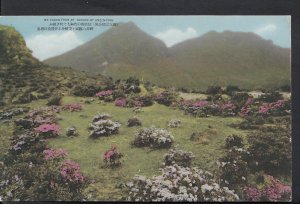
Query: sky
[170,29]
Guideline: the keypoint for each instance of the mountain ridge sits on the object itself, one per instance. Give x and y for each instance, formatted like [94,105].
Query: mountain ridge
[228,57]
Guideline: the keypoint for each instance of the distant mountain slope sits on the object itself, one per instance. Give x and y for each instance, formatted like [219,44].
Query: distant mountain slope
[126,44]
[236,58]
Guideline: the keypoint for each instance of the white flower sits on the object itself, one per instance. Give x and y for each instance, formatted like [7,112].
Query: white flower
[206,187]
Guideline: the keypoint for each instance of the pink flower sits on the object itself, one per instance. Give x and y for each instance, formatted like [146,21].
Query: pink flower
[120,102]
[200,104]
[46,128]
[228,106]
[102,94]
[57,153]
[70,170]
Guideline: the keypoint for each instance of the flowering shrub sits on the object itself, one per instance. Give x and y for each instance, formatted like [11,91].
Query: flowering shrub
[233,140]
[70,170]
[73,107]
[178,183]
[272,190]
[71,131]
[233,168]
[179,157]
[48,130]
[228,109]
[121,102]
[37,117]
[134,122]
[112,157]
[54,153]
[200,104]
[103,94]
[25,141]
[166,98]
[153,137]
[102,128]
[279,107]
[101,116]
[174,123]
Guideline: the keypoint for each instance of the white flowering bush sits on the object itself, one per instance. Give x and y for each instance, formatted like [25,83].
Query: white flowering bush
[102,128]
[178,156]
[178,183]
[174,123]
[153,137]
[101,116]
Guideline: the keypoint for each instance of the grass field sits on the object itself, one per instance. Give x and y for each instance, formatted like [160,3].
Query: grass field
[144,161]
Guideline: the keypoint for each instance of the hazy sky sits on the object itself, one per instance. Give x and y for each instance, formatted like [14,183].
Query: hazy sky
[170,29]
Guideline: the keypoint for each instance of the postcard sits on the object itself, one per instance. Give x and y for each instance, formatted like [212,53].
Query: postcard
[145,108]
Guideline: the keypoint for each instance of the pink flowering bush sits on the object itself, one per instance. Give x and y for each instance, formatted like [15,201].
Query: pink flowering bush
[121,102]
[54,153]
[103,94]
[272,190]
[200,104]
[112,157]
[279,107]
[228,109]
[70,170]
[48,130]
[73,107]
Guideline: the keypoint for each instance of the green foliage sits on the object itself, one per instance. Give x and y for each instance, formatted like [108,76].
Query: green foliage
[270,150]
[214,90]
[233,141]
[271,97]
[55,100]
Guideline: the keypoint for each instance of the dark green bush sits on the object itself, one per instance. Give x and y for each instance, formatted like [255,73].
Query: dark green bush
[214,90]
[270,150]
[271,97]
[233,141]
[55,100]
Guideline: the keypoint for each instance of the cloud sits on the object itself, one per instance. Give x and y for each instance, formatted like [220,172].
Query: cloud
[50,45]
[266,29]
[173,36]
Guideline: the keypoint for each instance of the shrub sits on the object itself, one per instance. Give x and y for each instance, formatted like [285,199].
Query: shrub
[134,122]
[102,128]
[71,131]
[233,140]
[121,102]
[112,157]
[228,109]
[70,170]
[177,183]
[213,90]
[270,150]
[174,123]
[54,100]
[271,97]
[88,90]
[230,89]
[104,94]
[48,130]
[233,168]
[101,116]
[272,190]
[54,153]
[153,137]
[179,157]
[166,98]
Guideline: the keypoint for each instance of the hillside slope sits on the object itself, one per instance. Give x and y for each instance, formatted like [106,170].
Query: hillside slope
[23,78]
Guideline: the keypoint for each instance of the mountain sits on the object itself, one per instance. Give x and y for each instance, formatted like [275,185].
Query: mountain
[236,58]
[23,78]
[125,44]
